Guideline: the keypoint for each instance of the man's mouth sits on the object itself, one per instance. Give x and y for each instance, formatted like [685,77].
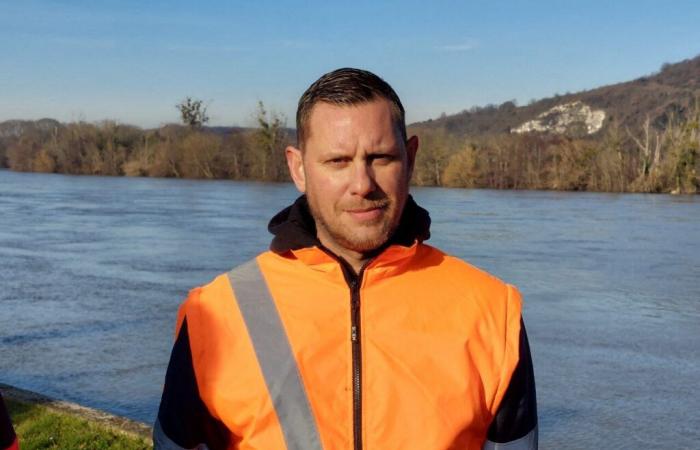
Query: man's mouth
[368,213]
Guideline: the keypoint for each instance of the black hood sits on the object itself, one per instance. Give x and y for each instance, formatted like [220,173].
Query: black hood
[294,227]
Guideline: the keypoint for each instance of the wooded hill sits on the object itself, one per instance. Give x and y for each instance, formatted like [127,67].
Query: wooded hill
[638,136]
[671,92]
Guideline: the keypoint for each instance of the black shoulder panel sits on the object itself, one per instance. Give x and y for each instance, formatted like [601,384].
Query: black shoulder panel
[517,413]
[183,416]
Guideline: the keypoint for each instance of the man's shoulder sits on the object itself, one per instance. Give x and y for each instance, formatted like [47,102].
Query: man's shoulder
[469,288]
[452,266]
[211,305]
[219,288]
[215,294]
[209,292]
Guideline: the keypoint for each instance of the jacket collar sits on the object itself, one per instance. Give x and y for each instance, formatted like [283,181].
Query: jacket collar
[294,227]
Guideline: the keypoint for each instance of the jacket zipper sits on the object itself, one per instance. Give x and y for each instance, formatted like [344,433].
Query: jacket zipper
[354,282]
[355,334]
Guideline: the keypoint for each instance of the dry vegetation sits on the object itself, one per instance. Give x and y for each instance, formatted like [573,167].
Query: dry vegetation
[190,151]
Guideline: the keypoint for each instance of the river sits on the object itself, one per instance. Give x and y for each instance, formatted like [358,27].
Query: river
[92,270]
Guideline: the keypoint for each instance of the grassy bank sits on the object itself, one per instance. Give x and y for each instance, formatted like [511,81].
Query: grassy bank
[40,427]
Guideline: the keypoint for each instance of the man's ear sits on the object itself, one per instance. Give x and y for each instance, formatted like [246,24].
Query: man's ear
[411,149]
[295,162]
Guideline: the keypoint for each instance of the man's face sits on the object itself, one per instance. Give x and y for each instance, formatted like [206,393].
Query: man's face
[355,171]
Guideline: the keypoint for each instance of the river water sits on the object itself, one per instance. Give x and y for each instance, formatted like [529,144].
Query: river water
[92,270]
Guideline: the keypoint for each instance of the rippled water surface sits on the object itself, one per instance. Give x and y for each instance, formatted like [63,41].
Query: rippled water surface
[92,270]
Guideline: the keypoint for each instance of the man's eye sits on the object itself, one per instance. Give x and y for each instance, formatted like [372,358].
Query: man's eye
[383,158]
[337,161]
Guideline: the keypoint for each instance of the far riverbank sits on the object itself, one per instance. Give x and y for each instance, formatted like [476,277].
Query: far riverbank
[619,160]
[286,180]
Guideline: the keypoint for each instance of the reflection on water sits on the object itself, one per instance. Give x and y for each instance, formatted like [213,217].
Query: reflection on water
[93,270]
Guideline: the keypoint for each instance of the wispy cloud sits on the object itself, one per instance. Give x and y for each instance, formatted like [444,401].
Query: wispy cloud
[199,48]
[464,46]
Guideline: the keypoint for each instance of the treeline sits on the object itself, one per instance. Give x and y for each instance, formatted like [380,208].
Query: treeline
[181,151]
[621,160]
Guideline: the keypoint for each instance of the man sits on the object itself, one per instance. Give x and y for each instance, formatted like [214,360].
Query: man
[350,333]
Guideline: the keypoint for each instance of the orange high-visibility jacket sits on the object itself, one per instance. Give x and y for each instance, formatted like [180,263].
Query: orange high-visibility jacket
[295,351]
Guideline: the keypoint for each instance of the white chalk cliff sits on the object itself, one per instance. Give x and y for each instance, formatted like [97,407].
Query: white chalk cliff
[565,118]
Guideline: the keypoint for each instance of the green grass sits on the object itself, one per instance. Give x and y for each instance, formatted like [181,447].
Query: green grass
[41,428]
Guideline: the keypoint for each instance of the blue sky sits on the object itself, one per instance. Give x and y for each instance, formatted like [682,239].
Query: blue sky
[132,61]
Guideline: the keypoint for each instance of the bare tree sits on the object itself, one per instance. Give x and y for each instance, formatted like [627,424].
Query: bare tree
[650,154]
[268,144]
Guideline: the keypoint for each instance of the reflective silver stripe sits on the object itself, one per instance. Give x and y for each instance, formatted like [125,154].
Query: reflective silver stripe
[161,441]
[527,442]
[275,357]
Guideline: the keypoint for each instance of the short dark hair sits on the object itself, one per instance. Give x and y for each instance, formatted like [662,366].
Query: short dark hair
[347,87]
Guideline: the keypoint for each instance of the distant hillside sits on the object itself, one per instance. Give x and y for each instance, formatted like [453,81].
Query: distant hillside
[16,128]
[669,92]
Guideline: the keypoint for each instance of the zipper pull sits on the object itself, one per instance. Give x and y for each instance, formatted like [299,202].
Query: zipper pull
[353,333]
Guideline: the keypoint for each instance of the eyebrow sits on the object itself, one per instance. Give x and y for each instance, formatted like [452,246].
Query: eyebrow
[330,154]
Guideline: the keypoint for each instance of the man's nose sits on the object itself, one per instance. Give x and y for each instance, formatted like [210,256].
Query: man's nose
[362,182]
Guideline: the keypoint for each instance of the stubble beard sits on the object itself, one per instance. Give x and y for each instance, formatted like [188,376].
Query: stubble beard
[363,238]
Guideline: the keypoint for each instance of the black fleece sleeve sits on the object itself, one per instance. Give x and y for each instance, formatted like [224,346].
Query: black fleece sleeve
[516,419]
[184,422]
